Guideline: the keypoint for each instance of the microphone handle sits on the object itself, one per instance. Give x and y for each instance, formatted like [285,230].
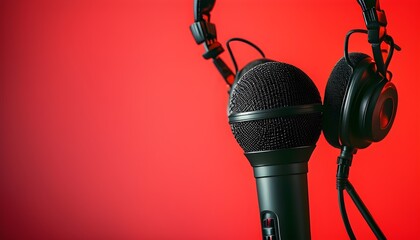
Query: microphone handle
[283,201]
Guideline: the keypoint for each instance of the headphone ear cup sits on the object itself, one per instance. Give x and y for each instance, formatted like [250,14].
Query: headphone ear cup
[335,93]
[381,111]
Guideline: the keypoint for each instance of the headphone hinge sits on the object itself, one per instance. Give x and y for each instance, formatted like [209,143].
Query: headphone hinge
[203,31]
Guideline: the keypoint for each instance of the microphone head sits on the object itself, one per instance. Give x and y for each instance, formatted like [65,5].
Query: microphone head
[274,85]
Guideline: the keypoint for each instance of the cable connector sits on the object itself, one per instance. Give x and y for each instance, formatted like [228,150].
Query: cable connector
[344,161]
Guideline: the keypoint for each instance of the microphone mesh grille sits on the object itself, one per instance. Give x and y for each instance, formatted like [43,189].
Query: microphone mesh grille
[268,86]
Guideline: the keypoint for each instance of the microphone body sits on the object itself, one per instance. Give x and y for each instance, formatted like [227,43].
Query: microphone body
[275,115]
[282,186]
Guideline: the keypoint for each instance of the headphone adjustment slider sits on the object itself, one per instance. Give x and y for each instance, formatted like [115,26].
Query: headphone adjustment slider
[376,22]
[203,31]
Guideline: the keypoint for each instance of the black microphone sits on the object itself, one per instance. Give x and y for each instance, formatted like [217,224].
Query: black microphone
[275,115]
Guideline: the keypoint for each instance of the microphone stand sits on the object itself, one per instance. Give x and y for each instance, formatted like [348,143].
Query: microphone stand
[344,163]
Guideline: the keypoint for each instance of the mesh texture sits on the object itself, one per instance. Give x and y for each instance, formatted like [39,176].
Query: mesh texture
[334,95]
[268,86]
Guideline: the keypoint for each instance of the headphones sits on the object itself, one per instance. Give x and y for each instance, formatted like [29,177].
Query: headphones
[360,101]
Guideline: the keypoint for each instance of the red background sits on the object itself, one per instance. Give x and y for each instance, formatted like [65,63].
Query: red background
[112,126]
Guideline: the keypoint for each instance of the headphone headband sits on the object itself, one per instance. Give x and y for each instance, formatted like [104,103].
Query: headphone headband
[204,31]
[202,7]
[375,21]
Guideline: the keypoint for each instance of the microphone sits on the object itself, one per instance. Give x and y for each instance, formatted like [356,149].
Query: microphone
[275,115]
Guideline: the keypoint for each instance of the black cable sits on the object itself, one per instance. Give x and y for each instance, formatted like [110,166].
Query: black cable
[364,211]
[387,39]
[346,45]
[344,214]
[390,41]
[344,161]
[244,41]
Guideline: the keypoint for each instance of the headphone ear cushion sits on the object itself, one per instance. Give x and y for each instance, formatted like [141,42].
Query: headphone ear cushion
[335,93]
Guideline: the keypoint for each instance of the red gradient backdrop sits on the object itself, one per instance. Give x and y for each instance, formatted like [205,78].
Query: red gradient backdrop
[112,126]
